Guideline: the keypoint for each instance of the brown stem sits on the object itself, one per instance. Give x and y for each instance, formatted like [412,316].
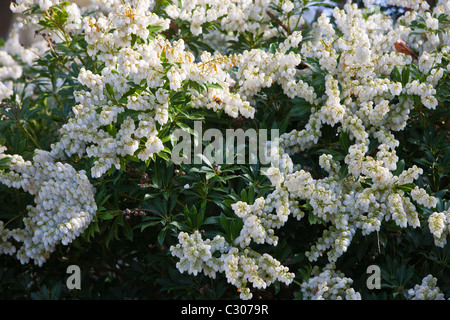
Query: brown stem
[278,21]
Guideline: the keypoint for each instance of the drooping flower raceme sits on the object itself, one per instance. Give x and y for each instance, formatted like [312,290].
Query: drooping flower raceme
[427,290]
[439,225]
[241,267]
[133,90]
[240,15]
[64,205]
[328,284]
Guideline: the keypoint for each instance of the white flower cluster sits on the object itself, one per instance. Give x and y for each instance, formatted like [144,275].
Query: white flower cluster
[358,99]
[343,203]
[110,98]
[233,15]
[107,6]
[12,58]
[20,6]
[15,57]
[428,41]
[328,284]
[259,69]
[259,222]
[241,267]
[411,4]
[427,290]
[74,19]
[64,205]
[439,225]
[196,254]
[9,71]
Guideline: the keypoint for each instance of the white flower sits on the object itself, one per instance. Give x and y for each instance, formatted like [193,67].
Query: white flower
[274,175]
[287,6]
[432,23]
[362,54]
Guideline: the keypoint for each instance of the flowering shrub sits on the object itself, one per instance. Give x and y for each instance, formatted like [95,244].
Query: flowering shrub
[359,177]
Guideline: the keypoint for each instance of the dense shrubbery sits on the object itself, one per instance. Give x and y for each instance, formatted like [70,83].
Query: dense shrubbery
[90,110]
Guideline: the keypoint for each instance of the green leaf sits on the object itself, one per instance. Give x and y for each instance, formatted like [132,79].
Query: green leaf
[152,29]
[395,74]
[344,141]
[244,195]
[109,90]
[312,218]
[272,48]
[251,195]
[147,224]
[406,187]
[400,168]
[225,223]
[440,193]
[4,163]
[405,75]
[211,220]
[213,85]
[128,231]
[162,236]
[105,215]
[56,291]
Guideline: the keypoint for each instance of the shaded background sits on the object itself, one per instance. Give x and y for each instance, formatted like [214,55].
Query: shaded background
[5,18]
